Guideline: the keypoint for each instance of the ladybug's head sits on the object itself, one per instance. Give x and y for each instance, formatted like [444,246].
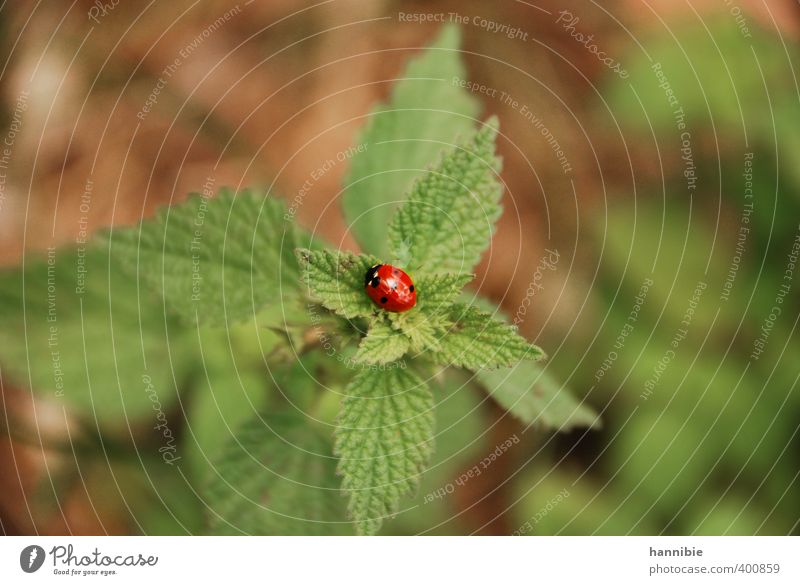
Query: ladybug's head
[372,273]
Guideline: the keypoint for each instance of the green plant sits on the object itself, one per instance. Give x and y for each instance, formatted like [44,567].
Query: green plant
[226,302]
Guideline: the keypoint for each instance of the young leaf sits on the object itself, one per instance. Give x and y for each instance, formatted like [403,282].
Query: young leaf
[382,344]
[477,341]
[276,477]
[337,279]
[426,112]
[423,329]
[436,291]
[73,329]
[449,218]
[384,440]
[215,260]
[535,397]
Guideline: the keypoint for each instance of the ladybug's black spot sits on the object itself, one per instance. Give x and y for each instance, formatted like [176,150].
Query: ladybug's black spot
[375,282]
[384,299]
[395,272]
[411,288]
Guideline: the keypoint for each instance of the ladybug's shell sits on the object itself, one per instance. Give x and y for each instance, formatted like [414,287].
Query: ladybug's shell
[390,288]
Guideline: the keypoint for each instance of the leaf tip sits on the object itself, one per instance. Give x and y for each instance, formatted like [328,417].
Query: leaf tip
[449,37]
[303,255]
[539,354]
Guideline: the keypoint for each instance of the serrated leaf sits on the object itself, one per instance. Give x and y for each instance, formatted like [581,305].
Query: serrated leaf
[215,260]
[449,217]
[535,397]
[477,341]
[424,337]
[277,477]
[337,280]
[425,114]
[461,440]
[423,329]
[531,393]
[382,344]
[73,329]
[384,440]
[436,291]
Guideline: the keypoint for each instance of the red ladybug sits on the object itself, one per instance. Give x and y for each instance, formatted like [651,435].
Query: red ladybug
[390,288]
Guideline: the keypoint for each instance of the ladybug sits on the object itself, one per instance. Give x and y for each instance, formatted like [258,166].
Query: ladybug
[390,288]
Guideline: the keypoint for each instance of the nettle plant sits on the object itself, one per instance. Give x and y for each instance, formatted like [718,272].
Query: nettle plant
[274,373]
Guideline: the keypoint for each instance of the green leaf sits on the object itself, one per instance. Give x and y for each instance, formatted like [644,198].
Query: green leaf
[337,279]
[423,329]
[461,441]
[214,260]
[477,341]
[72,328]
[437,291]
[531,393]
[384,441]
[382,344]
[426,325]
[449,218]
[535,397]
[426,112]
[276,478]
[229,390]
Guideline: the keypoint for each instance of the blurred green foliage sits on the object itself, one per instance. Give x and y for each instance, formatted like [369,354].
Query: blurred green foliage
[712,448]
